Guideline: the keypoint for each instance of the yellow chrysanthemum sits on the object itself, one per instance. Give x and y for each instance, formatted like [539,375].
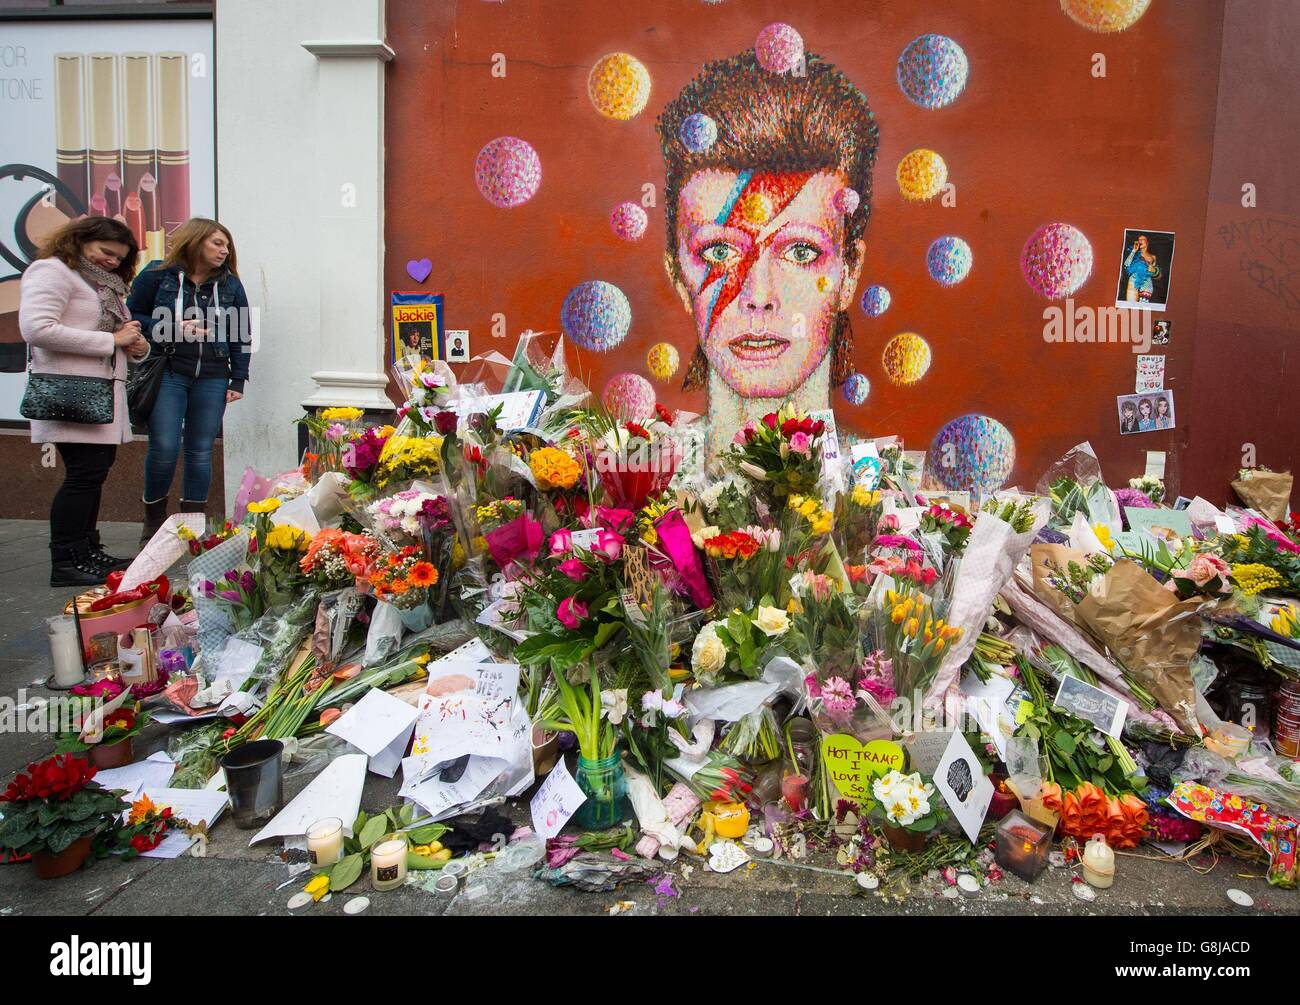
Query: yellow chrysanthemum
[341,414]
[865,498]
[457,554]
[553,468]
[1103,535]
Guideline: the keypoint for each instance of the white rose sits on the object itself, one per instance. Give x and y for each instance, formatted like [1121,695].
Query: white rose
[702,535]
[708,654]
[772,621]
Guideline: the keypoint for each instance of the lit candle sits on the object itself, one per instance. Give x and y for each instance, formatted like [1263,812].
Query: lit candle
[325,841]
[388,864]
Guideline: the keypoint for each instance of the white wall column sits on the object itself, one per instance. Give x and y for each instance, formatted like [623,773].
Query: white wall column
[300,114]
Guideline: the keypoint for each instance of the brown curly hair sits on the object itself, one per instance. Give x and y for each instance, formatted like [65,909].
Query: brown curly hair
[66,243]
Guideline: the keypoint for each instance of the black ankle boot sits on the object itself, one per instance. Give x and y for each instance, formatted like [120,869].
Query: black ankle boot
[155,515]
[95,549]
[71,565]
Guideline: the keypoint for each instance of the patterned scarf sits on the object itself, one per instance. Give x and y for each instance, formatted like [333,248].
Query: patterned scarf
[112,291]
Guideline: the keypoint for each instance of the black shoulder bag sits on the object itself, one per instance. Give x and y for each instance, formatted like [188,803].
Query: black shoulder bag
[142,382]
[57,397]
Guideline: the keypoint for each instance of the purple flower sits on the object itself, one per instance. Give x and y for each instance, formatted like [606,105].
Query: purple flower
[208,588]
[230,596]
[837,696]
[232,576]
[1132,497]
[248,581]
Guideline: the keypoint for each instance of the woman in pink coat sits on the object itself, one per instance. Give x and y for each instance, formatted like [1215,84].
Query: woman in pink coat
[74,318]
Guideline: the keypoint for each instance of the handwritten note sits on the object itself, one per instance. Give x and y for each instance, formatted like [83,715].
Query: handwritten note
[556,801]
[1150,374]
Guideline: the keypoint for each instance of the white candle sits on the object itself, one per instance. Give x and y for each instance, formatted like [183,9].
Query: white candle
[325,841]
[65,651]
[388,864]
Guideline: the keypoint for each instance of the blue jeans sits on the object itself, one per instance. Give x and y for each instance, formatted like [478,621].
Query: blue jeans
[187,412]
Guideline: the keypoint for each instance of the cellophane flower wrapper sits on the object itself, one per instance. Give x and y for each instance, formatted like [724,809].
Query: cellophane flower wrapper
[215,621]
[1074,483]
[280,634]
[676,546]
[992,552]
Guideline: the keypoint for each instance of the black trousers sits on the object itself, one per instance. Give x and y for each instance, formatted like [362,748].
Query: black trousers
[75,510]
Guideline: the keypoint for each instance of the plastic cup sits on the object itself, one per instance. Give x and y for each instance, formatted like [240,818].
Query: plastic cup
[254,782]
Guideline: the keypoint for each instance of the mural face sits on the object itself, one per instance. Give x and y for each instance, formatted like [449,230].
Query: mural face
[763,274]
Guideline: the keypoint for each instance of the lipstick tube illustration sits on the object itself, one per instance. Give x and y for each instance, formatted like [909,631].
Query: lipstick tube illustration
[133,217]
[105,147]
[172,135]
[137,127]
[70,131]
[155,239]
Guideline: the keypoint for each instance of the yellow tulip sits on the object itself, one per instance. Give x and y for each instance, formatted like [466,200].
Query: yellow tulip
[318,886]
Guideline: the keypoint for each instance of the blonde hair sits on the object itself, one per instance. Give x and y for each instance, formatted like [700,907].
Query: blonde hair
[189,237]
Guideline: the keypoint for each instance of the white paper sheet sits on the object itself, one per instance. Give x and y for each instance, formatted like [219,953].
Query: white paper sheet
[556,801]
[964,786]
[197,806]
[236,662]
[988,702]
[379,725]
[297,512]
[335,792]
[155,771]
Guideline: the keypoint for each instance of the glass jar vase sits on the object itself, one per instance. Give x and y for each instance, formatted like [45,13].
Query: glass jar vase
[605,787]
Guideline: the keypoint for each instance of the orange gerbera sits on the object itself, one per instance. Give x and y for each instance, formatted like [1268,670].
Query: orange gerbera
[399,586]
[423,574]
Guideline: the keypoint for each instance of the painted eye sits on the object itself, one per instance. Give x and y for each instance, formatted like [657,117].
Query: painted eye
[719,254]
[802,253]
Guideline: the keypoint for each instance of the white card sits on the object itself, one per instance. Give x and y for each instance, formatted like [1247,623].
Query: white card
[964,786]
[1155,464]
[1150,374]
[556,801]
[379,725]
[335,792]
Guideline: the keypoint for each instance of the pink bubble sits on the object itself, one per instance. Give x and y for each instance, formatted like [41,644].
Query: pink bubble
[629,396]
[508,172]
[1056,260]
[629,221]
[779,48]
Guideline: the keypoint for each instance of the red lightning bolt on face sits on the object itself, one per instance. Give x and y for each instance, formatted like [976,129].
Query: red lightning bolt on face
[763,190]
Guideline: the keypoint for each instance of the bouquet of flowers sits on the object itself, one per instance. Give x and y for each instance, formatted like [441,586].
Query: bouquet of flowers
[738,644]
[336,559]
[330,432]
[1262,559]
[781,454]
[145,827]
[857,517]
[554,469]
[198,545]
[1150,486]
[240,593]
[914,637]
[907,802]
[406,517]
[408,458]
[1264,490]
[745,563]
[360,459]
[402,578]
[949,526]
[279,553]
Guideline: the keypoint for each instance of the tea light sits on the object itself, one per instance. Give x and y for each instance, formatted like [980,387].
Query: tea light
[106,670]
[325,841]
[763,847]
[968,884]
[446,885]
[388,864]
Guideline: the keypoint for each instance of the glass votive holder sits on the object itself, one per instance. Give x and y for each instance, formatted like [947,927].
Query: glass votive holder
[1023,845]
[325,841]
[388,864]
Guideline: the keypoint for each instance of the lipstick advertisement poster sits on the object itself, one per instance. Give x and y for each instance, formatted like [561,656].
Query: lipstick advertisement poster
[102,118]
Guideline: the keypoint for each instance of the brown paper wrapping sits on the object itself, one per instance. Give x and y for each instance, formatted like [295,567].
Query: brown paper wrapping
[1061,555]
[1266,491]
[1151,632]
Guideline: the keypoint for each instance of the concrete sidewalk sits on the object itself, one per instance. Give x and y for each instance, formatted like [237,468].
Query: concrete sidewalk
[237,880]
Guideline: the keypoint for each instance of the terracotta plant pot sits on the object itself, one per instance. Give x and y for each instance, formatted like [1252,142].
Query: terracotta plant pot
[50,866]
[901,839]
[111,755]
[546,749]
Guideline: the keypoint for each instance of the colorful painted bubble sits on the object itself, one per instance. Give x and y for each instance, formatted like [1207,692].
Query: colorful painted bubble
[856,388]
[698,133]
[949,260]
[629,221]
[508,172]
[619,86]
[1056,260]
[905,359]
[846,201]
[1105,15]
[662,360]
[921,175]
[779,48]
[972,453]
[932,71]
[875,301]
[629,396]
[596,315]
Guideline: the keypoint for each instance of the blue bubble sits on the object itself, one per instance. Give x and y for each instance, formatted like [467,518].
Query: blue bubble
[698,132]
[875,301]
[856,388]
[596,315]
[932,71]
[972,453]
[949,260]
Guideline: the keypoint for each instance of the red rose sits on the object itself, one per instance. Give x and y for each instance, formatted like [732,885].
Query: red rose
[818,428]
[749,435]
[637,430]
[664,415]
[790,427]
[769,420]
[446,422]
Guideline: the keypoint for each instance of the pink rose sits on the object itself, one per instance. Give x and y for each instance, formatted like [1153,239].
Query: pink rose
[571,613]
[574,569]
[615,519]
[561,541]
[609,546]
[887,522]
[800,443]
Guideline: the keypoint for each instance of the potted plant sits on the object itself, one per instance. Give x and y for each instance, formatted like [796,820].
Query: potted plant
[907,809]
[106,742]
[53,811]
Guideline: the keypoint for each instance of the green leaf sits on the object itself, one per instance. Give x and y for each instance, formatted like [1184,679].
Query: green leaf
[1063,741]
[406,814]
[427,833]
[359,824]
[374,829]
[346,872]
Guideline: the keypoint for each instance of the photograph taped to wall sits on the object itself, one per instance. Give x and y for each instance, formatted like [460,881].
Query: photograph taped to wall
[417,325]
[1145,269]
[1145,413]
[1160,334]
[457,345]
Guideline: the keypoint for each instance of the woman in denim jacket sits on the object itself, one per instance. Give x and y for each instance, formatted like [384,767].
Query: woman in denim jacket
[193,308]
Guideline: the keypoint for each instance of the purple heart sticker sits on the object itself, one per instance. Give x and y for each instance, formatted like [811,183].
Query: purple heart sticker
[419,270]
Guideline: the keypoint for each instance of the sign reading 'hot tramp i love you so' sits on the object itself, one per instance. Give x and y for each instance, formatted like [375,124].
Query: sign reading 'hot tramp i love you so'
[854,765]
